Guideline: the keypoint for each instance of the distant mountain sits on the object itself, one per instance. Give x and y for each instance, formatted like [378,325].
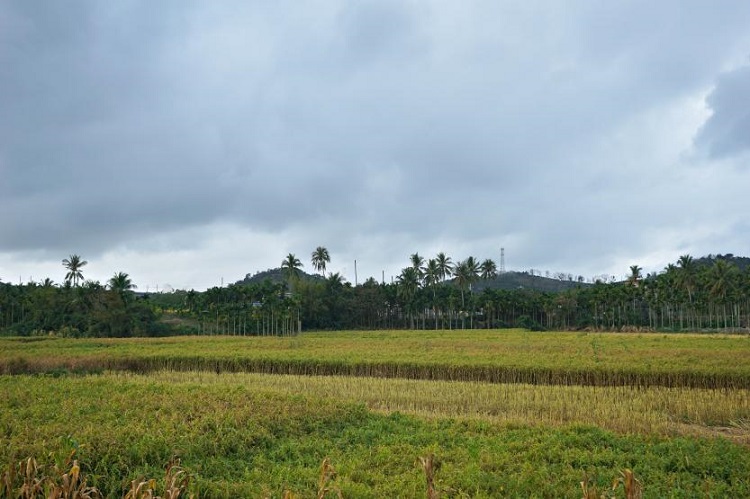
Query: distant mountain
[742,262]
[524,280]
[506,280]
[275,275]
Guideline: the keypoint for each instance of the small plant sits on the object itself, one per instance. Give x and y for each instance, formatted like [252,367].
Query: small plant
[28,480]
[631,486]
[430,465]
[176,482]
[327,475]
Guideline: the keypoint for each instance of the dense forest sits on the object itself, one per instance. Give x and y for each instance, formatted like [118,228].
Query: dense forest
[709,293]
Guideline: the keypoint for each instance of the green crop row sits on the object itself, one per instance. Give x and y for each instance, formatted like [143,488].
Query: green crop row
[259,436]
[595,359]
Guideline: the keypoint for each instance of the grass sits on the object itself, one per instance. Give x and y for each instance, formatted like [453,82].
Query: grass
[258,436]
[608,359]
[655,410]
[397,414]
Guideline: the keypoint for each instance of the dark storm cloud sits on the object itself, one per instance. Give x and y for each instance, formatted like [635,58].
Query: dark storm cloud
[727,131]
[354,123]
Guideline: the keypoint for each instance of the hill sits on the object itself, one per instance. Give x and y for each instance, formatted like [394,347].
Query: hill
[275,275]
[524,280]
[506,280]
[742,262]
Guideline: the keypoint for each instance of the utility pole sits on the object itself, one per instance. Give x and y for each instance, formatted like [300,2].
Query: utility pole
[502,260]
[355,273]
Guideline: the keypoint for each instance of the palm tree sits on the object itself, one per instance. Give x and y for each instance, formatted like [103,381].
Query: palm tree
[291,265]
[121,284]
[74,264]
[431,278]
[723,282]
[472,266]
[417,263]
[635,275]
[688,280]
[445,265]
[320,258]
[431,273]
[488,269]
[687,274]
[336,280]
[466,273]
[408,284]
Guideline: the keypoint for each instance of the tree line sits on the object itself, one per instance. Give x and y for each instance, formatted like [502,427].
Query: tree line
[77,307]
[434,293]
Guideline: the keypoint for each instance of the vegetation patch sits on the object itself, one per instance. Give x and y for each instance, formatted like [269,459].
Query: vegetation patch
[498,356]
[239,437]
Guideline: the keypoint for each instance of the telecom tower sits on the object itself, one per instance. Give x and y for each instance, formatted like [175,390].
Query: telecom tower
[502,260]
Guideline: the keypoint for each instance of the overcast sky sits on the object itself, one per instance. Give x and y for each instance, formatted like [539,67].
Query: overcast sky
[187,142]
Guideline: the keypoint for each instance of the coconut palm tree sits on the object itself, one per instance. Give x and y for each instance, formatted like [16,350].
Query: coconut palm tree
[121,284]
[635,276]
[445,265]
[472,266]
[687,275]
[465,273]
[74,265]
[320,258]
[291,265]
[431,273]
[488,269]
[431,279]
[417,263]
[723,280]
[408,284]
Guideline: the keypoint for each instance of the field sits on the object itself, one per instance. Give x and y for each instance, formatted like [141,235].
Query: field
[674,409]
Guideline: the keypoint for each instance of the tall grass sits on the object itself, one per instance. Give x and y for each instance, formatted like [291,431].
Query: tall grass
[590,359]
[250,435]
[654,410]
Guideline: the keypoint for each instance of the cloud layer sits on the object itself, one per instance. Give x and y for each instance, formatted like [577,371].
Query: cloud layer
[148,137]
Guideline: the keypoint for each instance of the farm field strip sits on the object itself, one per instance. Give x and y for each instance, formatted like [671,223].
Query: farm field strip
[715,361]
[255,435]
[654,410]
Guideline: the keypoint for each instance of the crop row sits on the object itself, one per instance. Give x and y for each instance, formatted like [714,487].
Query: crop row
[405,370]
[245,435]
[654,410]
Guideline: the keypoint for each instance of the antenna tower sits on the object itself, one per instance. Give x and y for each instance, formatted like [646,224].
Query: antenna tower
[502,260]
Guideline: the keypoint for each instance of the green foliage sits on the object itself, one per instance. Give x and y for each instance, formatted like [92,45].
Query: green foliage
[693,295]
[240,441]
[527,322]
[603,359]
[84,311]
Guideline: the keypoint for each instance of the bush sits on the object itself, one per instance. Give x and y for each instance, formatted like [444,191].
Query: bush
[527,322]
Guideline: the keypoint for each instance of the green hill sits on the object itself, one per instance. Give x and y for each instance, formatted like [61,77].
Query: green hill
[506,280]
[275,275]
[742,262]
[524,280]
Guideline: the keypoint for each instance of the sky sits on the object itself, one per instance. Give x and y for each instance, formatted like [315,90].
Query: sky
[189,143]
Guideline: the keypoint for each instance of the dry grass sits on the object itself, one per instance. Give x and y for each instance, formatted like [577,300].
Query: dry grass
[28,480]
[176,481]
[665,411]
[508,356]
[631,486]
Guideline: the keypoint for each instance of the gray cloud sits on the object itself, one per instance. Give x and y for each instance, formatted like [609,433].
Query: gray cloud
[727,131]
[563,130]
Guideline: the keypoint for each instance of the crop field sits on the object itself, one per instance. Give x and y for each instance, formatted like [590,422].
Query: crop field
[424,421]
[701,361]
